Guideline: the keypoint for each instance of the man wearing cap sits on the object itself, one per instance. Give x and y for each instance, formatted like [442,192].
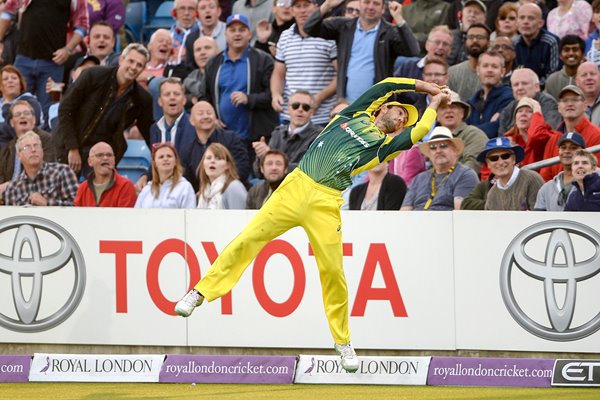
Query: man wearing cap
[463,76]
[493,96]
[304,63]
[237,84]
[442,187]
[453,116]
[473,12]
[525,83]
[254,10]
[367,46]
[571,106]
[515,189]
[588,79]
[363,135]
[536,47]
[554,194]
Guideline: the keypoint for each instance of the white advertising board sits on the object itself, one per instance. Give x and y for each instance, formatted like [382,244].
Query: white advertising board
[372,370]
[527,281]
[133,265]
[95,368]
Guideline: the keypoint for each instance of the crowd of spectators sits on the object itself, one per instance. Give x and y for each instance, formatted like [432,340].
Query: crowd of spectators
[230,97]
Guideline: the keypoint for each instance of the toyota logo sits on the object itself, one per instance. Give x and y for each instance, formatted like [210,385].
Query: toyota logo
[32,259]
[552,270]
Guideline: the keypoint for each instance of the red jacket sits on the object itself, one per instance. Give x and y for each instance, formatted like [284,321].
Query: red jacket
[534,147]
[119,193]
[590,132]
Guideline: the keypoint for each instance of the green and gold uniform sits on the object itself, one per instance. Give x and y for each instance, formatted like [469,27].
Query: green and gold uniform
[310,197]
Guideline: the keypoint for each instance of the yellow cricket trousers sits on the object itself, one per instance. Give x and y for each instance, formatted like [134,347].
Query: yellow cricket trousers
[299,201]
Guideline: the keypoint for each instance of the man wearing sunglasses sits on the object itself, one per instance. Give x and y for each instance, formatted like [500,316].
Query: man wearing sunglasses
[293,138]
[515,189]
[363,135]
[442,187]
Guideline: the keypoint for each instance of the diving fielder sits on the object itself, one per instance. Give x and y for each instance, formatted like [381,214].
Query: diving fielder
[357,139]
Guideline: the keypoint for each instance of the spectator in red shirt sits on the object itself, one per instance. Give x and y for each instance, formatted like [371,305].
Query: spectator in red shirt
[571,106]
[104,187]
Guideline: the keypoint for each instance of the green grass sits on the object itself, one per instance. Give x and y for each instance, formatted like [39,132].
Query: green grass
[153,391]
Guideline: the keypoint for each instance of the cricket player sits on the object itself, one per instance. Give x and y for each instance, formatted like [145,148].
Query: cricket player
[368,132]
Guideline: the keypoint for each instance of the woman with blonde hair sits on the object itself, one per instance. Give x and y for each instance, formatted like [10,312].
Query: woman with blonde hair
[220,187]
[168,188]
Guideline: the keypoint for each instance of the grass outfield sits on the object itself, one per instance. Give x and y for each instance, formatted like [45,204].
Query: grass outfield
[147,391]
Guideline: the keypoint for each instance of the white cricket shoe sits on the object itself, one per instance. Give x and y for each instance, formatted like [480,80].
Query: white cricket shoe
[349,359]
[186,305]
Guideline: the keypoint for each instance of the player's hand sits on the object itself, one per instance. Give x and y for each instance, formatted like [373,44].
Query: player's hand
[74,159]
[260,147]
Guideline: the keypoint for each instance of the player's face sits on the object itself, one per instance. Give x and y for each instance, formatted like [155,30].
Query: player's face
[214,166]
[391,119]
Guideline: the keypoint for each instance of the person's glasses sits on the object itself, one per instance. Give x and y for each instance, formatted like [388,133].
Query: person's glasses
[477,37]
[29,147]
[160,145]
[283,3]
[508,17]
[440,43]
[305,107]
[496,157]
[434,146]
[503,47]
[104,155]
[25,113]
[352,10]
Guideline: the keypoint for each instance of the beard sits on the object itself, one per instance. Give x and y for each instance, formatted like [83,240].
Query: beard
[388,124]
[476,51]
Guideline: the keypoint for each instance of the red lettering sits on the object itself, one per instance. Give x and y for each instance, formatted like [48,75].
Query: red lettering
[378,255]
[212,254]
[258,273]
[166,247]
[120,249]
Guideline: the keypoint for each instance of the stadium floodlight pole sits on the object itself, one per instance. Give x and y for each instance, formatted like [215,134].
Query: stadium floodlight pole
[554,160]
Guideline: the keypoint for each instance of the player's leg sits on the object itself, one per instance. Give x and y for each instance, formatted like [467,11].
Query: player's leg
[323,227]
[278,215]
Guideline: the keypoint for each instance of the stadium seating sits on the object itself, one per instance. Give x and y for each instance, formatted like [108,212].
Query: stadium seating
[136,161]
[135,19]
[161,19]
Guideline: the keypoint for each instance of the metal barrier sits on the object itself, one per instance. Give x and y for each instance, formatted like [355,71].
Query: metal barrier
[555,160]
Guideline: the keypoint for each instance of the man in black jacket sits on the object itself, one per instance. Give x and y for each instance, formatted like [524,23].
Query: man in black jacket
[237,84]
[101,104]
[370,42]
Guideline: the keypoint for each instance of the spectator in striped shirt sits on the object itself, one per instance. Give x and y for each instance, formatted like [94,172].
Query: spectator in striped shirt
[40,183]
[304,62]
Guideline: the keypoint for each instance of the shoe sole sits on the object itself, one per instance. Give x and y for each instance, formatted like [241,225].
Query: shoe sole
[182,313]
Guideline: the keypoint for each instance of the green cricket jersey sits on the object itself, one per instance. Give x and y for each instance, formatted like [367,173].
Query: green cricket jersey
[352,143]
